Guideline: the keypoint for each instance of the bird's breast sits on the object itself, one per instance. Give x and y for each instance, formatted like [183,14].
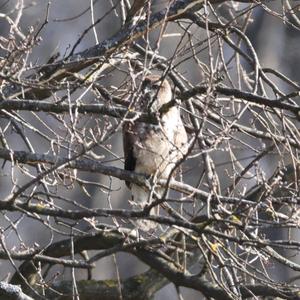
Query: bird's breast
[154,150]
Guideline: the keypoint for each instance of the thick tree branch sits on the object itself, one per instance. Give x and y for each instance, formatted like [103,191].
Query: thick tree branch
[12,292]
[99,53]
[97,167]
[105,240]
[119,112]
[142,286]
[259,100]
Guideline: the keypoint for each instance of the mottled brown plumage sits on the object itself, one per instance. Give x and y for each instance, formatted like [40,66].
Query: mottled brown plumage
[150,149]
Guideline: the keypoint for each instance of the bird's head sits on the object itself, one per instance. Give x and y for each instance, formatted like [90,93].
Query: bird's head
[154,93]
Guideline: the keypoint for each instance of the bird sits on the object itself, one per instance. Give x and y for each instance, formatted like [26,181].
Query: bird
[153,149]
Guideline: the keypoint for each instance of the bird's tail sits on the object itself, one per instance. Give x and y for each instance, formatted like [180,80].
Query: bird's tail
[140,198]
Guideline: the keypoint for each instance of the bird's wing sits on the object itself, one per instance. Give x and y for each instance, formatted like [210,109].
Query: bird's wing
[129,139]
